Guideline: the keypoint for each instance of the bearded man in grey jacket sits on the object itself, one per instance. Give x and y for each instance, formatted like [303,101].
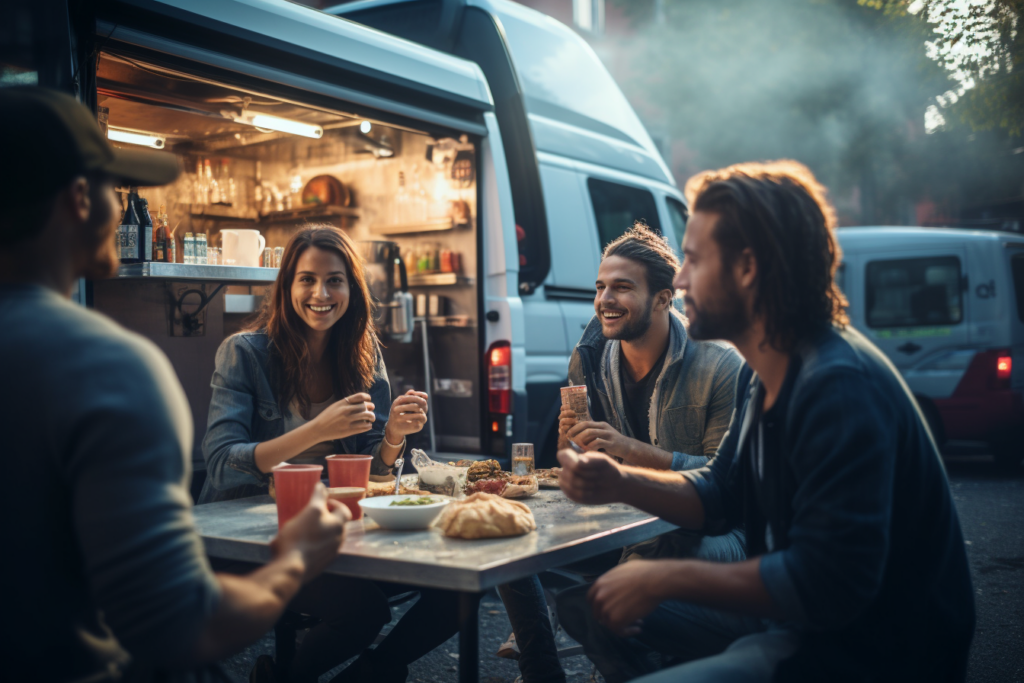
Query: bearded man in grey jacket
[657,398]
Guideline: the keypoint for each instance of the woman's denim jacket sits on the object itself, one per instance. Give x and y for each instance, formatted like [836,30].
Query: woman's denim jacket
[244,412]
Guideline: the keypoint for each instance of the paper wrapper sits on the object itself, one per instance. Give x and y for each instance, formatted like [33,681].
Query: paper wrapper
[524,490]
[576,399]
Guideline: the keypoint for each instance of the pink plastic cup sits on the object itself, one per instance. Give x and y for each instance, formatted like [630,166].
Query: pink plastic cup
[294,486]
[350,497]
[349,470]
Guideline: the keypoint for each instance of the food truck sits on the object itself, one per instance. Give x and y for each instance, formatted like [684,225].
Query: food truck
[282,116]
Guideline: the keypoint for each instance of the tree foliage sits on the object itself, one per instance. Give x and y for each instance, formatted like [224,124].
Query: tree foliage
[836,84]
[982,45]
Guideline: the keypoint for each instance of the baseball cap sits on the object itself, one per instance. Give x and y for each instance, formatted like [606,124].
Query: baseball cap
[47,138]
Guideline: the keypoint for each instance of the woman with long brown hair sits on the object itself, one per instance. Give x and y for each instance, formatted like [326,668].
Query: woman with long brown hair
[307,379]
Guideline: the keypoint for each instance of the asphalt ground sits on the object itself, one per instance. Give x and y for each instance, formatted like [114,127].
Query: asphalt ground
[991,508]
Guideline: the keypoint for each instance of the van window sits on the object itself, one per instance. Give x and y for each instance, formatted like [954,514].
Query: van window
[18,62]
[677,213]
[1017,266]
[914,292]
[617,206]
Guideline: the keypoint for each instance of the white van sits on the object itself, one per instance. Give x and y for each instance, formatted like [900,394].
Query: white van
[581,168]
[947,307]
[485,176]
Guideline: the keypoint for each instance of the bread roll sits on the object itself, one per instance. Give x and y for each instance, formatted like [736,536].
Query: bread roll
[484,515]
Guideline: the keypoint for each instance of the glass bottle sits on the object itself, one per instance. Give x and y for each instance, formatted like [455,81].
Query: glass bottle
[212,184]
[145,230]
[160,236]
[201,240]
[128,230]
[172,243]
[190,248]
[232,191]
[402,201]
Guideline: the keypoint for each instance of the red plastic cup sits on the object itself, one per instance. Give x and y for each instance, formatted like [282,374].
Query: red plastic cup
[350,496]
[349,470]
[294,486]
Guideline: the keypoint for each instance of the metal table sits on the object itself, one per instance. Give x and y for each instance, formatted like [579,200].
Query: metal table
[566,532]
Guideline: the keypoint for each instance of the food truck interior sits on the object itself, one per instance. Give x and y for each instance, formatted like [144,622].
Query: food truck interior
[256,162]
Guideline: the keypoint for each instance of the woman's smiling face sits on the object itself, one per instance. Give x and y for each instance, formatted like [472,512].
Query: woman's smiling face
[320,291]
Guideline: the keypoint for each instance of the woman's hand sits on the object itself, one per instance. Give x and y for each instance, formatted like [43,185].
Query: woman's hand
[408,415]
[344,418]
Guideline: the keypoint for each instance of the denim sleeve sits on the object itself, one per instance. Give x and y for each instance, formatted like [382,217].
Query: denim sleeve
[229,447]
[844,462]
[370,442]
[718,482]
[126,470]
[576,377]
[723,401]
[721,405]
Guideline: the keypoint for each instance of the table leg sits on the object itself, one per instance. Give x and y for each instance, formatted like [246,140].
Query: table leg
[469,637]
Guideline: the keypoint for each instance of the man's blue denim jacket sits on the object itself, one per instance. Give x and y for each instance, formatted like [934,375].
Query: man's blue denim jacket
[244,411]
[693,396]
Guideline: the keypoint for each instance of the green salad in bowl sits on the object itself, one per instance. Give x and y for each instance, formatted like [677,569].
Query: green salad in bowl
[421,500]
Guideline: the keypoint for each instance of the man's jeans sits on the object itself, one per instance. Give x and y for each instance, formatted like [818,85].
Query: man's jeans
[675,629]
[750,659]
[528,611]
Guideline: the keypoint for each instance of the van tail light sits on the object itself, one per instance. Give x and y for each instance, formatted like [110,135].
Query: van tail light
[499,377]
[988,371]
[1004,367]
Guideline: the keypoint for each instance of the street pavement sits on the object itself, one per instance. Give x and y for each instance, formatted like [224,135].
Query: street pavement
[991,507]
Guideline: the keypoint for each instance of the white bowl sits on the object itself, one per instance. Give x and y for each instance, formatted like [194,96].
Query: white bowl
[402,517]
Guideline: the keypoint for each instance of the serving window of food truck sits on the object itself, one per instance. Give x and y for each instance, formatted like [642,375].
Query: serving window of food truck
[264,157]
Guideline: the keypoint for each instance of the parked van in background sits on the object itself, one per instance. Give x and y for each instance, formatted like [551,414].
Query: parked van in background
[496,141]
[947,307]
[581,168]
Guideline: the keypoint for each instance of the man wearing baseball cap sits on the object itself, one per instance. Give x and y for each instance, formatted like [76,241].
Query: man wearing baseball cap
[105,574]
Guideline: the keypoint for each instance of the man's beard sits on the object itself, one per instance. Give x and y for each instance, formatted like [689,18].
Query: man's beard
[635,330]
[724,318]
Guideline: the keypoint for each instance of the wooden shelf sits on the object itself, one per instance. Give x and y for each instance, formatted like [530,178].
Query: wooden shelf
[411,228]
[227,213]
[437,280]
[188,271]
[307,212]
[221,212]
[463,321]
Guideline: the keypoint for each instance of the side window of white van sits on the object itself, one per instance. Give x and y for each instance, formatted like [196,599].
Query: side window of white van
[677,214]
[617,206]
[914,292]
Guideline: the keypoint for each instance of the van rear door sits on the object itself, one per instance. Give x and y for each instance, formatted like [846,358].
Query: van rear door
[1015,259]
[915,309]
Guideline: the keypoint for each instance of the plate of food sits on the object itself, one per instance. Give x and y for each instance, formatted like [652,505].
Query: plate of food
[486,476]
[548,478]
[403,513]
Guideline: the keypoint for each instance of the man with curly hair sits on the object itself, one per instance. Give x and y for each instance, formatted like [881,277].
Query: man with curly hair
[856,569]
